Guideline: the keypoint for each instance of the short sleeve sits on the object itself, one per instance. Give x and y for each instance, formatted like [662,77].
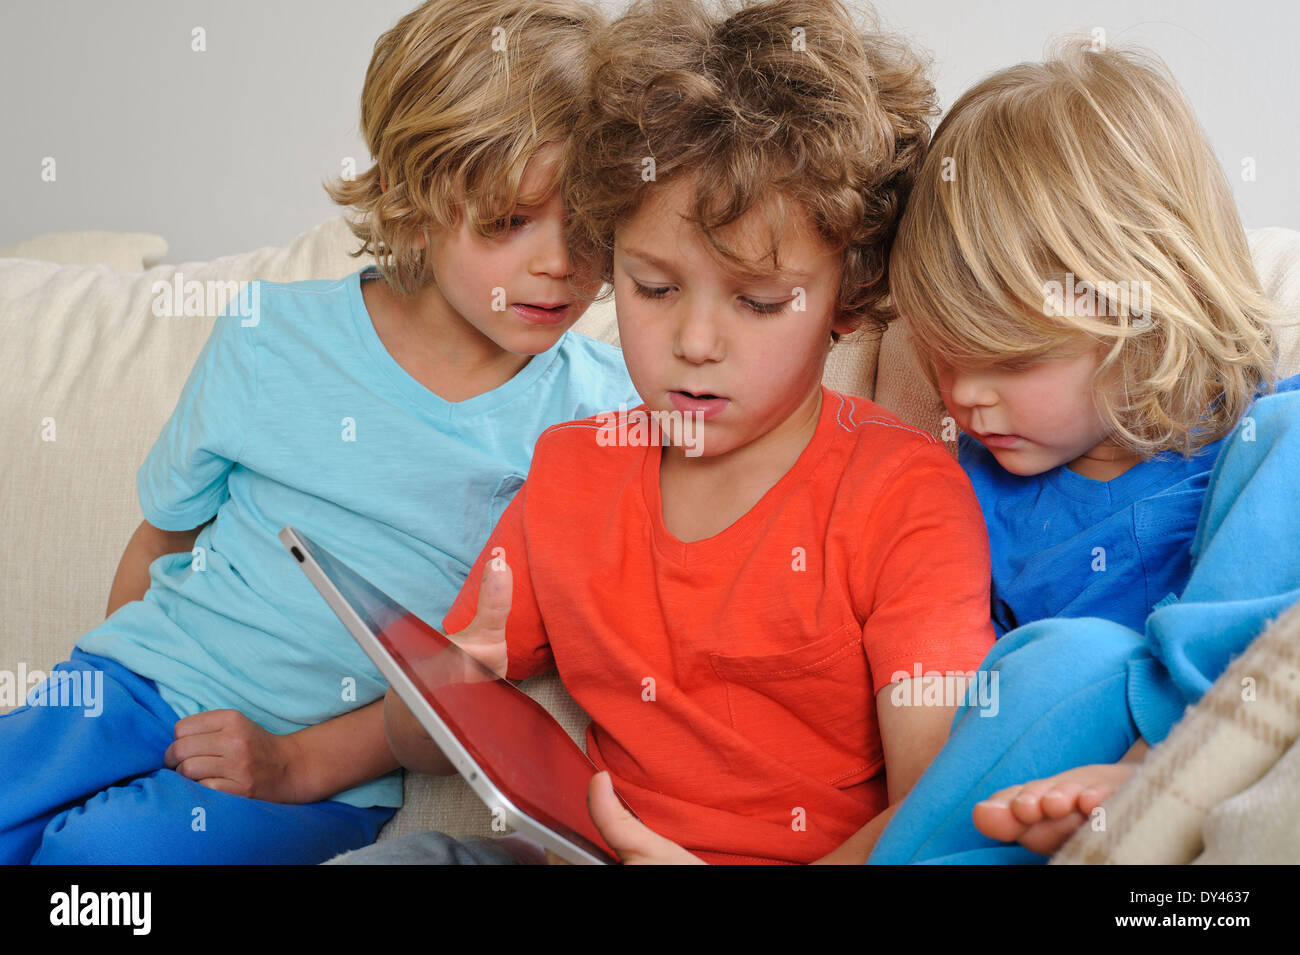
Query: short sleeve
[527,645]
[183,480]
[928,571]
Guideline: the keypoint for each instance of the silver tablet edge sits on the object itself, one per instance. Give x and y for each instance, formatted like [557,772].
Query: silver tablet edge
[438,731]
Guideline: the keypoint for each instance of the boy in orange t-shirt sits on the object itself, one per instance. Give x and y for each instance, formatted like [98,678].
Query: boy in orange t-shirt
[750,608]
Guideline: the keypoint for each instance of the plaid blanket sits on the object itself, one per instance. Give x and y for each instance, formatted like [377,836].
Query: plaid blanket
[1224,786]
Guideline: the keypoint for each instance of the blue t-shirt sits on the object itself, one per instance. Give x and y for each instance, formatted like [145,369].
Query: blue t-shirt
[299,415]
[1064,545]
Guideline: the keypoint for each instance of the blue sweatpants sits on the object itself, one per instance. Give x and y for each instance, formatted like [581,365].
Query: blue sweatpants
[87,787]
[1081,691]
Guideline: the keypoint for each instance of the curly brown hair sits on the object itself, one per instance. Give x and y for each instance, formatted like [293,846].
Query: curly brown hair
[785,95]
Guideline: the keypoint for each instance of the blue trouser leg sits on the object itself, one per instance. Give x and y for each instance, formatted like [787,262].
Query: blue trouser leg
[165,818]
[1073,692]
[86,784]
[54,756]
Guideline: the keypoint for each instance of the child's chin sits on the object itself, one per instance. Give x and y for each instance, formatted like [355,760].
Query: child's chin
[1020,464]
[534,340]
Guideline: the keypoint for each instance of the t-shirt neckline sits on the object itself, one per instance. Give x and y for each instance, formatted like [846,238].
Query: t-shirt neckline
[413,391]
[729,538]
[1118,490]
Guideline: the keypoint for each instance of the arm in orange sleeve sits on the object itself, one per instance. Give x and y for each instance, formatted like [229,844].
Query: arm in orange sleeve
[912,737]
[926,568]
[930,576]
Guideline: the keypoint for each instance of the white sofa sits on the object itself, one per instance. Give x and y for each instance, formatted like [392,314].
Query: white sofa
[84,361]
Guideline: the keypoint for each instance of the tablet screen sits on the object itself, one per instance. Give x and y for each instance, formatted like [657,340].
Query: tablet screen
[514,741]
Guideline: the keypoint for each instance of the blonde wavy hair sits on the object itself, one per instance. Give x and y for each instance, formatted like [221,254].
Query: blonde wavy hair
[1089,167]
[458,97]
[790,96]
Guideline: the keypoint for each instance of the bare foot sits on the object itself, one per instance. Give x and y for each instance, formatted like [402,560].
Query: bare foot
[1042,814]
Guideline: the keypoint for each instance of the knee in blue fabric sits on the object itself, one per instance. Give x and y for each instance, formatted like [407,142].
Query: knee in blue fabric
[166,819]
[1060,701]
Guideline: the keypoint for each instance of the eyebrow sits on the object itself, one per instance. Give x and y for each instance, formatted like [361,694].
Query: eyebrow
[743,275]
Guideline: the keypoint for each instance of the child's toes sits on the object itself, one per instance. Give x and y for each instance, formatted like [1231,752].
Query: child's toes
[1028,804]
[1049,835]
[1093,796]
[1061,799]
[993,817]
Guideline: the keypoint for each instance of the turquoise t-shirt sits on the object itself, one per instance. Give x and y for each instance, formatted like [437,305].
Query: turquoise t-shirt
[299,415]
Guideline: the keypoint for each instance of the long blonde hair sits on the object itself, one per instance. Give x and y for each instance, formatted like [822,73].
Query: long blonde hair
[1088,171]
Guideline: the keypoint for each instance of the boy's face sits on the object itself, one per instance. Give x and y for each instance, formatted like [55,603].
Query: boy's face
[747,351]
[1035,417]
[514,289]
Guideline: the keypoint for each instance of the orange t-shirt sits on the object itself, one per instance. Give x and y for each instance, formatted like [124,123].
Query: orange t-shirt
[731,681]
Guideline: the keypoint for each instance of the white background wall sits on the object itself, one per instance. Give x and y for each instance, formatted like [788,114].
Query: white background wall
[225,150]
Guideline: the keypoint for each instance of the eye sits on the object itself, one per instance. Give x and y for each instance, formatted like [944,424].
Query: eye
[509,224]
[765,308]
[1016,366]
[651,293]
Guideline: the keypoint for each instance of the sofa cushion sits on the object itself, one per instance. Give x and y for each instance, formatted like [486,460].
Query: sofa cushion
[89,377]
[120,251]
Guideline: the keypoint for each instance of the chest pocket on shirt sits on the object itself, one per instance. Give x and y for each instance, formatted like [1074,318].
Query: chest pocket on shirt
[810,707]
[502,496]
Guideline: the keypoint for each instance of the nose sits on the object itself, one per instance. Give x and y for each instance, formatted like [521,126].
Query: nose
[550,253]
[698,338]
[969,390]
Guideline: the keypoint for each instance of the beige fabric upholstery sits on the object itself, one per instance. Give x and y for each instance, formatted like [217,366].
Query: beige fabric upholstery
[120,251]
[901,386]
[87,364]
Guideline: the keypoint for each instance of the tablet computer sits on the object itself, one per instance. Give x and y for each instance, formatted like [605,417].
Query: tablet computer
[514,755]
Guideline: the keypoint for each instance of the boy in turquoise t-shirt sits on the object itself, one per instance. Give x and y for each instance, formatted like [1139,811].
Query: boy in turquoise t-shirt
[391,416]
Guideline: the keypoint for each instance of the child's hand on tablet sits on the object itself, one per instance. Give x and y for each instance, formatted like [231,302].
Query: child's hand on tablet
[635,843]
[485,637]
[481,644]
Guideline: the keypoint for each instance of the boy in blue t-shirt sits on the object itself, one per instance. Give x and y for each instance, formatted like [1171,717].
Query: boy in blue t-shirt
[390,415]
[1066,545]
[1085,302]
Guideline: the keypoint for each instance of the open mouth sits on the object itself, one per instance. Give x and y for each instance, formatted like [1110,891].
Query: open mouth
[704,403]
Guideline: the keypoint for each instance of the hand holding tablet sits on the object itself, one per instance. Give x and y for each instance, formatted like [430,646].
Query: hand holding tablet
[514,755]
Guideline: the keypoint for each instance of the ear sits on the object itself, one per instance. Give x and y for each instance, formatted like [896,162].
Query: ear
[843,325]
[383,186]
